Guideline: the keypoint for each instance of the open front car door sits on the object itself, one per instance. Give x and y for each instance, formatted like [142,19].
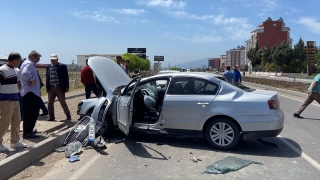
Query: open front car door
[125,105]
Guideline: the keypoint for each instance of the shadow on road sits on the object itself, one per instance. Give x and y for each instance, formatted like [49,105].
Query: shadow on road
[272,147]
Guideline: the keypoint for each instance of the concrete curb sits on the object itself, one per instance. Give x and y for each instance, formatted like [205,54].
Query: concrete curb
[293,93]
[17,162]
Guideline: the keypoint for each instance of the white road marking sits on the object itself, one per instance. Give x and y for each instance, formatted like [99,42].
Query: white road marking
[86,166]
[303,155]
[297,99]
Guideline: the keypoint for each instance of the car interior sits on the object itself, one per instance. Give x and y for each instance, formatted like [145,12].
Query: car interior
[148,100]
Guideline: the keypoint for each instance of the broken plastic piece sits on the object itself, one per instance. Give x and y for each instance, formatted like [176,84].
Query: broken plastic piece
[61,149]
[73,148]
[99,143]
[228,164]
[74,158]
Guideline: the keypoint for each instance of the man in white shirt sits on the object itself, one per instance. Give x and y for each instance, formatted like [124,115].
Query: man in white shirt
[9,102]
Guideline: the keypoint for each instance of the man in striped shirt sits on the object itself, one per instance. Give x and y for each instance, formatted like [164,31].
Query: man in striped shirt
[9,102]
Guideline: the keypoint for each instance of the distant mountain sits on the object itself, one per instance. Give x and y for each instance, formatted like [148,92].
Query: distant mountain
[193,64]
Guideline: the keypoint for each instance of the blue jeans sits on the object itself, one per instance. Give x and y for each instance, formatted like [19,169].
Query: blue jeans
[43,106]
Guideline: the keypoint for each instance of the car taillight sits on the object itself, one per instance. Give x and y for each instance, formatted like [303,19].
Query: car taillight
[273,104]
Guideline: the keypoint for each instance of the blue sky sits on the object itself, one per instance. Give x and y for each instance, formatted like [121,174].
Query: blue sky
[180,30]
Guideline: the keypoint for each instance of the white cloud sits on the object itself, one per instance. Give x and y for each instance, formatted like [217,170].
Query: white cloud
[218,19]
[269,5]
[311,23]
[164,3]
[239,31]
[196,38]
[292,10]
[92,15]
[129,11]
[235,28]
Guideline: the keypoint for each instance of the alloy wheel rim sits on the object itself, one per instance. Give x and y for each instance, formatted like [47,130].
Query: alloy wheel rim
[222,134]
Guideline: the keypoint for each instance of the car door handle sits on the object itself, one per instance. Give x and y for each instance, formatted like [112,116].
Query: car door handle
[199,103]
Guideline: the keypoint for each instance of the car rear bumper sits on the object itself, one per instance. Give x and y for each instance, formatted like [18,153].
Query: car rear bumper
[260,134]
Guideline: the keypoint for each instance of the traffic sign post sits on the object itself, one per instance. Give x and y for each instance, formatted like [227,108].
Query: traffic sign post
[158,58]
[310,51]
[140,52]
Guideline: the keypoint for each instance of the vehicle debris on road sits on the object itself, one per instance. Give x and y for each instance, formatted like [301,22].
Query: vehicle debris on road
[74,158]
[73,149]
[228,164]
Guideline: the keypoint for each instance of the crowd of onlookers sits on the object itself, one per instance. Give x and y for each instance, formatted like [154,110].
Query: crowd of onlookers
[20,97]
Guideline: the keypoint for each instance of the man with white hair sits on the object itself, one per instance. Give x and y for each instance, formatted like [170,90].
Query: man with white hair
[30,92]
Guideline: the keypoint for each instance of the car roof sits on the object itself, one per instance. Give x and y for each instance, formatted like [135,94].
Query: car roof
[208,76]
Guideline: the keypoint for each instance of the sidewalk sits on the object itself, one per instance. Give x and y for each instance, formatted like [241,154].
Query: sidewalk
[44,127]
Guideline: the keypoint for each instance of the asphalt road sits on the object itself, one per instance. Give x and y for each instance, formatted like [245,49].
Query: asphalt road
[292,155]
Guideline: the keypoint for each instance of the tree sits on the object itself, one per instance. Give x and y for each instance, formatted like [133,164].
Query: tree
[137,62]
[282,54]
[298,52]
[317,58]
[175,68]
[266,54]
[254,55]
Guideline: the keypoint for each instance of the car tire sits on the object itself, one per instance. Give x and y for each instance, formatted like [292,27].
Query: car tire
[222,133]
[109,126]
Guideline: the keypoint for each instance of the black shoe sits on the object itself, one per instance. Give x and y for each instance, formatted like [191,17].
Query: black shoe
[68,118]
[35,131]
[30,136]
[297,116]
[43,114]
[51,119]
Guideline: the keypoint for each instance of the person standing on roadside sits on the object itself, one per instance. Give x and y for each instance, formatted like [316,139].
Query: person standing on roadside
[88,80]
[42,105]
[57,85]
[30,92]
[313,94]
[119,62]
[128,67]
[9,102]
[237,75]
[228,75]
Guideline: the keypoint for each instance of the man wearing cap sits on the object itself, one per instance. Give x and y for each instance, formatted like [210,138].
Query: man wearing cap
[57,85]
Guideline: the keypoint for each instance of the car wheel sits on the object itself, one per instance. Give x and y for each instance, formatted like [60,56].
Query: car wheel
[107,126]
[222,133]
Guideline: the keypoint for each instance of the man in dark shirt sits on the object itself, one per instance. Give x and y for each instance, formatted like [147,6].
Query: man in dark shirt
[57,85]
[89,81]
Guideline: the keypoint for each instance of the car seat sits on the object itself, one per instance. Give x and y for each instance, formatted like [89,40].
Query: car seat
[177,88]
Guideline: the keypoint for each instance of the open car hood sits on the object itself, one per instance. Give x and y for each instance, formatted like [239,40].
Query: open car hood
[109,73]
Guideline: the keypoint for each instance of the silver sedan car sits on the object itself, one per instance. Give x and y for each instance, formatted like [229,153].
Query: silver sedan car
[189,103]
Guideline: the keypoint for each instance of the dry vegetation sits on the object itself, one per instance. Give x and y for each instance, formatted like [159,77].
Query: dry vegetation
[293,86]
[74,80]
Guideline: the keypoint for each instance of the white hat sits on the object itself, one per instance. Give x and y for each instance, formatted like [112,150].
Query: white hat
[54,57]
